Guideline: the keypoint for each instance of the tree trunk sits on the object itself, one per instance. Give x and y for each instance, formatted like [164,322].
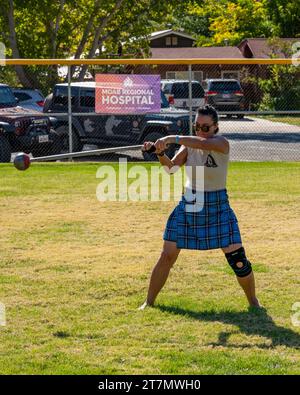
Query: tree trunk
[83,41]
[95,43]
[23,78]
[57,23]
[85,34]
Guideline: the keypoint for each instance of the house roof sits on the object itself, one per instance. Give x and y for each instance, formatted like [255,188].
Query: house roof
[163,33]
[194,52]
[260,47]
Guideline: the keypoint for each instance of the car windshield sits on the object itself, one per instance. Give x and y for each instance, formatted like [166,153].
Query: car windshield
[7,98]
[61,95]
[181,90]
[224,86]
[22,96]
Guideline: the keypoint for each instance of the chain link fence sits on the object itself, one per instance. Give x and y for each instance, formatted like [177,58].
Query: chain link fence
[48,109]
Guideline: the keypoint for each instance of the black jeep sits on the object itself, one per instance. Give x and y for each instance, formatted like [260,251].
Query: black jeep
[111,130]
[21,132]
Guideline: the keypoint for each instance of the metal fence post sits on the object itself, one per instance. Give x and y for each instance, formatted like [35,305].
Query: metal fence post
[70,111]
[190,100]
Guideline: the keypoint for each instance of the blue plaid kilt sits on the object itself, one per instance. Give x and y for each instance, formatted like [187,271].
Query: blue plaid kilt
[214,226]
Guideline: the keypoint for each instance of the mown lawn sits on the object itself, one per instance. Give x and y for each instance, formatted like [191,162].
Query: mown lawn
[290,119]
[73,271]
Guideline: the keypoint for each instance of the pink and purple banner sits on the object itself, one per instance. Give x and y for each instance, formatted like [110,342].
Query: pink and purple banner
[127,93]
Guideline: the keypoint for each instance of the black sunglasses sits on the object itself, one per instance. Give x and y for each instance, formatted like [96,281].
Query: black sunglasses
[204,128]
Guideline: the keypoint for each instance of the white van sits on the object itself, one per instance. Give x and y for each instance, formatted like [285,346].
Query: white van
[177,93]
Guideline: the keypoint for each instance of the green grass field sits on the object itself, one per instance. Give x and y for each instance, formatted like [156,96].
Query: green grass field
[74,270]
[290,119]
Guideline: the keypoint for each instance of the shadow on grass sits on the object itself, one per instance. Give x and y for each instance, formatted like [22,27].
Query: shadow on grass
[252,322]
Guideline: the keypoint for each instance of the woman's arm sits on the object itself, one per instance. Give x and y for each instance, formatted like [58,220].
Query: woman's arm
[179,158]
[216,143]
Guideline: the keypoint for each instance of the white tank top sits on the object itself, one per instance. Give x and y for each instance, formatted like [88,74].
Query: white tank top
[206,170]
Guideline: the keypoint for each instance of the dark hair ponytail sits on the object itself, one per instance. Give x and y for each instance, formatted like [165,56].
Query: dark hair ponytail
[208,110]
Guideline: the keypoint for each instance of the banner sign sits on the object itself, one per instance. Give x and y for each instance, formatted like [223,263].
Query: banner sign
[127,93]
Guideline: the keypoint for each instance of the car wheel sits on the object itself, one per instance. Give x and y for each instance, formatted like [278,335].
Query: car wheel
[153,136]
[63,132]
[5,150]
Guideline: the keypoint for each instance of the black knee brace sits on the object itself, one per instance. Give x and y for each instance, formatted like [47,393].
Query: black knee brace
[238,262]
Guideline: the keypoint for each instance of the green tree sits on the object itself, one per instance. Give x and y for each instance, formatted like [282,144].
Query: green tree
[281,90]
[240,19]
[75,28]
[216,22]
[193,19]
[285,14]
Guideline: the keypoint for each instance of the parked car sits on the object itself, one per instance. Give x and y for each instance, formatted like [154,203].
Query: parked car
[111,130]
[20,132]
[32,99]
[177,93]
[225,95]
[6,130]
